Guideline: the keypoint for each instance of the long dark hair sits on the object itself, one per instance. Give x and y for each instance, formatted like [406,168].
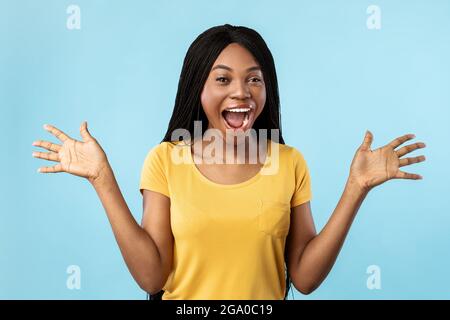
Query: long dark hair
[197,64]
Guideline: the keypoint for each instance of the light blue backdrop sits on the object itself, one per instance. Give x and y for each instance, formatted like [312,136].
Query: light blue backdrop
[120,71]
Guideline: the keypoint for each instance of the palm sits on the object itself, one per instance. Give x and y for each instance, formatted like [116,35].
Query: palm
[373,167]
[82,158]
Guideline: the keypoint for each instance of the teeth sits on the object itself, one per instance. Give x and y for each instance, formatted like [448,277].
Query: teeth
[239,110]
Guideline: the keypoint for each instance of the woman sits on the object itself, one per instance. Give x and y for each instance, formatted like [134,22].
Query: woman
[219,229]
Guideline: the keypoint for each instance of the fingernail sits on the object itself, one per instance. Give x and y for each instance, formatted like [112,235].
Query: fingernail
[413,136]
[39,170]
[33,154]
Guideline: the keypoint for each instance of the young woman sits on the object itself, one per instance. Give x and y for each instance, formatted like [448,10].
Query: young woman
[215,229]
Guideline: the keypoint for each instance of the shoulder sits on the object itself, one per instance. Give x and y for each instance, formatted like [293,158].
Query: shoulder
[157,154]
[163,152]
[290,153]
[163,149]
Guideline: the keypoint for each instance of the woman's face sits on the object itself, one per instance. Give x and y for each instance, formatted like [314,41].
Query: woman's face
[234,93]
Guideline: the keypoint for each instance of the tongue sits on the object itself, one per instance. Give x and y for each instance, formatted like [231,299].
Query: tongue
[234,119]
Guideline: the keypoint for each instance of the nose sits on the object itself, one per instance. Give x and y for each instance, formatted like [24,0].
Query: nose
[240,90]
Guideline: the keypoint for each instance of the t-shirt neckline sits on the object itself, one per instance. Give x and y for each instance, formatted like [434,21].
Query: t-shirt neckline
[251,180]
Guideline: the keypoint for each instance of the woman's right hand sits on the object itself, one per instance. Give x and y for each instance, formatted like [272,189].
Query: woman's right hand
[81,158]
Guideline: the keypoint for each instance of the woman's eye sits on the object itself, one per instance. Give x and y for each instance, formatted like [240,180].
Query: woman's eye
[255,80]
[221,79]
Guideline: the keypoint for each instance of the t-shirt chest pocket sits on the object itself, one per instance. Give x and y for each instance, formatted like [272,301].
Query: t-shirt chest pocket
[274,218]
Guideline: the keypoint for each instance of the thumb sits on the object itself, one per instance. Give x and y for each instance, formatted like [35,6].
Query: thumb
[368,138]
[85,133]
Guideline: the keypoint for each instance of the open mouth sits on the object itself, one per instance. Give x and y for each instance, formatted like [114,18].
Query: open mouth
[238,117]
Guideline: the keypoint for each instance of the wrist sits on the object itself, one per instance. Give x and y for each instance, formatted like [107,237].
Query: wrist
[354,186]
[104,176]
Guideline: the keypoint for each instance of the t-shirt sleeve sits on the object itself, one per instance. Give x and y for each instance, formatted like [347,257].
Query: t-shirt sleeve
[302,192]
[154,172]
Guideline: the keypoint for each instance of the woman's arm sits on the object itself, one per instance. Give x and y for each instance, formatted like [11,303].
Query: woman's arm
[311,256]
[148,264]
[144,252]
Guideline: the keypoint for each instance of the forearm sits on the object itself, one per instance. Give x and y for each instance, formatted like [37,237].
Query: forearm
[321,252]
[137,247]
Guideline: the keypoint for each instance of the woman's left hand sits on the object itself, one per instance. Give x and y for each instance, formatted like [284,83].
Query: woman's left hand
[371,168]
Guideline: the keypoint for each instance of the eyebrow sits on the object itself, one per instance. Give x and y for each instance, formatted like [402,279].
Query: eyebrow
[222,66]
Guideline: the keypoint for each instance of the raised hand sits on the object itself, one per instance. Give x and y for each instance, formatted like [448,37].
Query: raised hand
[81,158]
[371,168]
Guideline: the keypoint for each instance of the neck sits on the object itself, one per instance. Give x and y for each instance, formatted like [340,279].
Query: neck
[248,151]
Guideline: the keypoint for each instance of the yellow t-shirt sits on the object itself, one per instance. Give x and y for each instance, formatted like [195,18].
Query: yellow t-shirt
[229,240]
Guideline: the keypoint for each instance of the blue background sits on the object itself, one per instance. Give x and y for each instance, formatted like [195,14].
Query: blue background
[120,72]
